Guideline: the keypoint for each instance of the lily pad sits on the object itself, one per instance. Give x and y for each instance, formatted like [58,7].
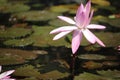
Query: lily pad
[12,8]
[110,73]
[59,9]
[54,75]
[15,56]
[92,56]
[19,42]
[12,33]
[101,2]
[113,22]
[27,71]
[90,76]
[92,65]
[42,38]
[58,23]
[36,15]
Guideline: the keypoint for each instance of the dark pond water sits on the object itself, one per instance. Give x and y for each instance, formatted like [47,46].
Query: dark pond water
[27,47]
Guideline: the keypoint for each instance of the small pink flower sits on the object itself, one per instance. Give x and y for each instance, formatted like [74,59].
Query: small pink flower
[5,75]
[80,26]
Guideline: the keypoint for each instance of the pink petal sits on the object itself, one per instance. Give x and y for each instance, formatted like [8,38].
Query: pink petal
[87,8]
[89,36]
[89,19]
[5,74]
[63,29]
[77,37]
[95,26]
[66,19]
[58,36]
[80,16]
[99,41]
[87,13]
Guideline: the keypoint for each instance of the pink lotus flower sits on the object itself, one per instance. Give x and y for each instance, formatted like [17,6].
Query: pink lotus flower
[80,26]
[5,75]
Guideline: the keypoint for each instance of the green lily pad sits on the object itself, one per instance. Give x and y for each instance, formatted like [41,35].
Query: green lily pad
[113,22]
[12,33]
[92,56]
[71,8]
[90,76]
[59,9]
[101,2]
[15,56]
[58,23]
[19,42]
[27,71]
[30,78]
[42,38]
[110,73]
[36,15]
[54,75]
[12,8]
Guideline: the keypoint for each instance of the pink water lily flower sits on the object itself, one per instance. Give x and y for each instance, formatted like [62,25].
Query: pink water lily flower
[80,26]
[5,75]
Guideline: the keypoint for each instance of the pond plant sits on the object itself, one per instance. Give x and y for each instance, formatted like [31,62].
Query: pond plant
[80,26]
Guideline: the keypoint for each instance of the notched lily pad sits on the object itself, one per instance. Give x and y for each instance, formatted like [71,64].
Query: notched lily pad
[36,15]
[15,56]
[12,33]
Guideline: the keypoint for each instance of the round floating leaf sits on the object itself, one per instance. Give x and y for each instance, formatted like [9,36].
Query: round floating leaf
[59,9]
[92,65]
[90,76]
[101,2]
[11,8]
[92,56]
[113,22]
[15,56]
[19,42]
[27,71]
[58,23]
[64,8]
[36,15]
[42,38]
[54,75]
[110,73]
[12,33]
